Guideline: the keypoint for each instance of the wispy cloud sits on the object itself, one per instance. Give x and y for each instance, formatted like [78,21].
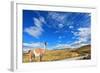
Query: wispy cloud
[73,45]
[58,19]
[63,46]
[60,37]
[33,45]
[56,16]
[42,19]
[30,46]
[83,34]
[34,31]
[60,25]
[39,21]
[37,29]
[68,46]
[71,27]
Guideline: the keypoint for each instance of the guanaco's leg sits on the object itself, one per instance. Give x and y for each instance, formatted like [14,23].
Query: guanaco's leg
[41,57]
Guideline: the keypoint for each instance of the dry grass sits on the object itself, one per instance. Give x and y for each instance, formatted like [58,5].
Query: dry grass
[54,55]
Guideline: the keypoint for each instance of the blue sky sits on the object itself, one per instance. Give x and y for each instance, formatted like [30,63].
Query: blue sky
[58,29]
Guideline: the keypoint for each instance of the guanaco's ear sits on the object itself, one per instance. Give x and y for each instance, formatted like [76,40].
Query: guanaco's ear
[29,51]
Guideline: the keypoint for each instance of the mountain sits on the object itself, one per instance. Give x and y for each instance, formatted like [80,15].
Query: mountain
[84,49]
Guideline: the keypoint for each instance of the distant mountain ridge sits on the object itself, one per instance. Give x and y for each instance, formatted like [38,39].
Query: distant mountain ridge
[25,50]
[71,47]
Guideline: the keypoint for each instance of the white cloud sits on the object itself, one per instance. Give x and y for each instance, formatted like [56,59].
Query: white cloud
[56,16]
[60,37]
[33,45]
[30,46]
[37,22]
[71,27]
[73,45]
[83,34]
[61,20]
[37,29]
[62,46]
[34,31]
[77,44]
[42,19]
[60,25]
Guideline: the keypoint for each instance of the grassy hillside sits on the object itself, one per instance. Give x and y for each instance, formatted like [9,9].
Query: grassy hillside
[85,50]
[54,55]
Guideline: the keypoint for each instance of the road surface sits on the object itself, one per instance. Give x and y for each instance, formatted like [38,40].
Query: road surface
[76,58]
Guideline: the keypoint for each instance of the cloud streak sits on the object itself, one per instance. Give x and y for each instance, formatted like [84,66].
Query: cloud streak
[37,29]
[83,35]
[33,45]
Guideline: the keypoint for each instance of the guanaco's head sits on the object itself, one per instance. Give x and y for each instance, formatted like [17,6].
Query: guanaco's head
[29,51]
